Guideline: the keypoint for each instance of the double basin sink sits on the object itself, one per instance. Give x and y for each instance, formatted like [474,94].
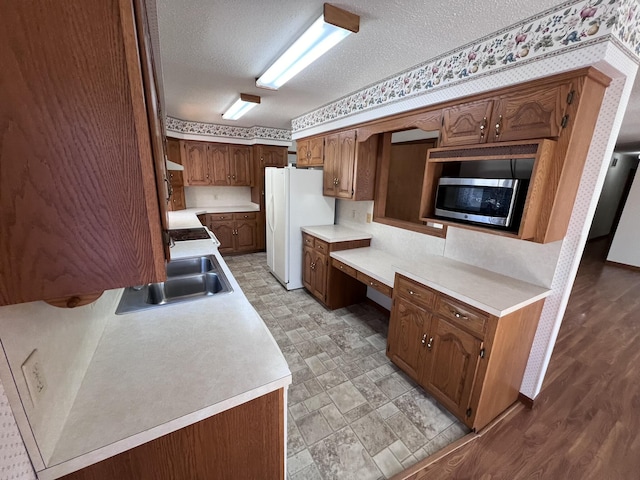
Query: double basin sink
[188,279]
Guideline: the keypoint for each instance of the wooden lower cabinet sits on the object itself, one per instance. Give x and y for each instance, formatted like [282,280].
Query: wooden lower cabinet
[332,287]
[236,232]
[407,335]
[468,360]
[244,442]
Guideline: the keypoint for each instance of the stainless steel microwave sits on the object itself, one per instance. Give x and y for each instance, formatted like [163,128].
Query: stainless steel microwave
[487,201]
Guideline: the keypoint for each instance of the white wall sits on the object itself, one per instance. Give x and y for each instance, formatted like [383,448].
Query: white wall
[611,193]
[216,196]
[66,340]
[626,242]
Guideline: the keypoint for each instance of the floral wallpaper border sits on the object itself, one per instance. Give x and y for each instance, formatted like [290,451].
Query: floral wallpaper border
[228,131]
[572,25]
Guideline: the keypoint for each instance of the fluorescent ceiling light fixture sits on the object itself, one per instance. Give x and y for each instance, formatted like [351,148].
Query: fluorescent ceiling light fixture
[333,26]
[241,106]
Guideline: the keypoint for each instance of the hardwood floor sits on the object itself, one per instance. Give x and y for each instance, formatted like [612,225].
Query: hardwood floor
[585,421]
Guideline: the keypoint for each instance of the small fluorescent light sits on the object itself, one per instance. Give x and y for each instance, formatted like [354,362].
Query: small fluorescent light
[241,106]
[333,26]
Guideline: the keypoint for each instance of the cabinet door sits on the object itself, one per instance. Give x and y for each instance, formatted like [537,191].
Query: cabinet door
[240,165]
[345,167]
[218,161]
[177,201]
[246,236]
[68,199]
[316,152]
[307,270]
[320,276]
[303,153]
[331,165]
[407,332]
[529,114]
[223,230]
[466,124]
[451,364]
[196,170]
[272,156]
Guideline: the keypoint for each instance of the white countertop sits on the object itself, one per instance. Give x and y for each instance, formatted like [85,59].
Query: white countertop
[336,233]
[158,370]
[491,292]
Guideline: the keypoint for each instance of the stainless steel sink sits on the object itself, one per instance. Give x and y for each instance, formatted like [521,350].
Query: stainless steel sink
[188,279]
[190,266]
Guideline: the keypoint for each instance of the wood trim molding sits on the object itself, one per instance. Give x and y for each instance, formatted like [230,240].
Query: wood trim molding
[622,265]
[526,401]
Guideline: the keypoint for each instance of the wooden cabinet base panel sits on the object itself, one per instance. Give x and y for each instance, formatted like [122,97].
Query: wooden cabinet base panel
[244,442]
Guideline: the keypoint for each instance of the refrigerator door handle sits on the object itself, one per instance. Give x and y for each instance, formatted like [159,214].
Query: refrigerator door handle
[271,216]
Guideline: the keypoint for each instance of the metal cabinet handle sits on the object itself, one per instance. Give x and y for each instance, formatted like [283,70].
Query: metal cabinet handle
[207,175]
[483,126]
[430,342]
[459,315]
[411,292]
[424,339]
[498,126]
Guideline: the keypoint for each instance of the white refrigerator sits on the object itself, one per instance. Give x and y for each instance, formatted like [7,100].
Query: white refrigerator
[293,199]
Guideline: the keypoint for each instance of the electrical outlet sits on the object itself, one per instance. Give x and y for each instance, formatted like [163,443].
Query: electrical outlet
[368,218]
[34,376]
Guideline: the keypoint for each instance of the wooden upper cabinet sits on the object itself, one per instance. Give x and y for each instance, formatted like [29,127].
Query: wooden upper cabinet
[331,165]
[80,207]
[345,168]
[531,113]
[310,152]
[240,165]
[466,124]
[349,170]
[271,155]
[196,163]
[523,114]
[218,164]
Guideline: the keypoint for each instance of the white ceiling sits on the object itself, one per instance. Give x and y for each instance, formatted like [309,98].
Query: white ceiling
[212,50]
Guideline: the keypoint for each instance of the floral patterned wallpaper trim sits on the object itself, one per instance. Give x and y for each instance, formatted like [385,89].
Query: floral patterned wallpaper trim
[572,25]
[215,130]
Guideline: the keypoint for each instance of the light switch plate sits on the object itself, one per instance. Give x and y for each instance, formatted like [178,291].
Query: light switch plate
[34,376]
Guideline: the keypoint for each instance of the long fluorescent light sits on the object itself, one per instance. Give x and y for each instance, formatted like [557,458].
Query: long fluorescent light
[241,106]
[333,26]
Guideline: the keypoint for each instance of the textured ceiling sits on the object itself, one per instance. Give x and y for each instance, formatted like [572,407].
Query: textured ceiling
[213,50]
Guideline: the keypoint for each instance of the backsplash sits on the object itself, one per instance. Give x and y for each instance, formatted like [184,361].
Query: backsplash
[216,196]
[66,340]
[499,254]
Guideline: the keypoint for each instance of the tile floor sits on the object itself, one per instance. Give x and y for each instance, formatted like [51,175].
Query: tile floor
[352,413]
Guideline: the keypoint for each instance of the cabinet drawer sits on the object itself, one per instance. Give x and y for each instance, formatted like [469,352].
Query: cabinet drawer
[322,246]
[461,314]
[416,292]
[307,240]
[375,284]
[344,268]
[214,217]
[245,216]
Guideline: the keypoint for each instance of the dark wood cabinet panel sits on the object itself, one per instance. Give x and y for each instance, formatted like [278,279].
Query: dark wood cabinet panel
[531,113]
[307,261]
[244,442]
[466,124]
[223,230]
[331,165]
[345,168]
[218,164]
[451,370]
[407,338]
[196,163]
[79,150]
[310,152]
[246,238]
[240,165]
[236,232]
